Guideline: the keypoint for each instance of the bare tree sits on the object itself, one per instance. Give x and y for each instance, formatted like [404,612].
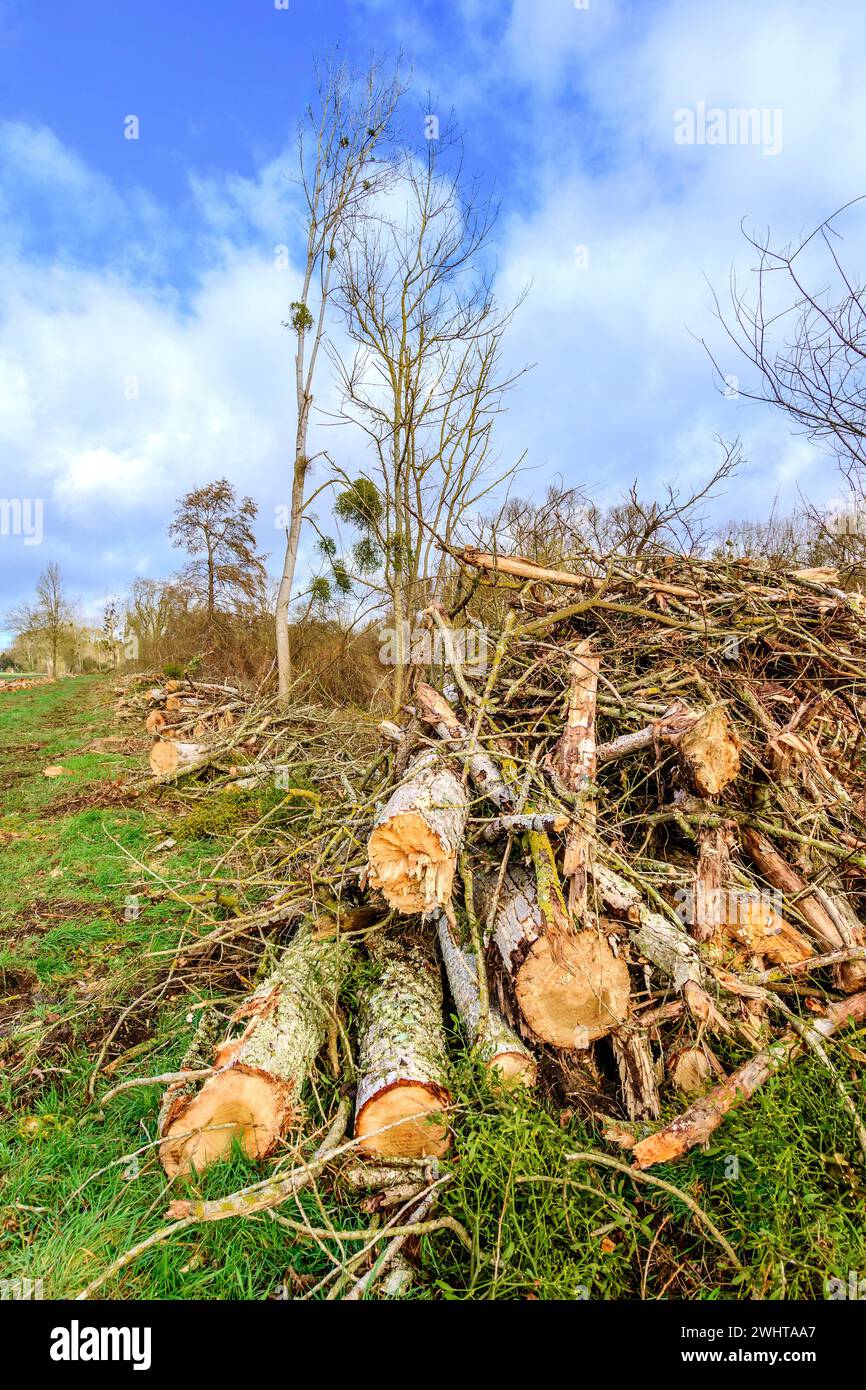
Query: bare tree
[425,382]
[801,324]
[48,619]
[338,175]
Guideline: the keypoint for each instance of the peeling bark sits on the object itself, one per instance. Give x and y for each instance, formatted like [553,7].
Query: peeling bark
[574,763]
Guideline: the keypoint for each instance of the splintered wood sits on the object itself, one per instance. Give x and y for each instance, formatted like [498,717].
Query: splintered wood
[574,762]
[414,843]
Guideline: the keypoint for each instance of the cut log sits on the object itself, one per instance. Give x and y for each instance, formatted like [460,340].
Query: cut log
[402,1060]
[160,719]
[573,761]
[169,757]
[414,843]
[183,702]
[697,1123]
[821,925]
[498,1045]
[255,1091]
[519,568]
[569,986]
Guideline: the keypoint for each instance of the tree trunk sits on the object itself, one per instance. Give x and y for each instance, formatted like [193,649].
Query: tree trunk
[414,842]
[569,986]
[287,578]
[574,763]
[402,1061]
[255,1092]
[498,1045]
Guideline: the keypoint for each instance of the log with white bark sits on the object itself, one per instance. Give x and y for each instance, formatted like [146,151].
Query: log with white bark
[497,1043]
[574,763]
[820,923]
[416,837]
[697,1123]
[548,822]
[170,757]
[259,1071]
[569,986]
[402,1061]
[666,946]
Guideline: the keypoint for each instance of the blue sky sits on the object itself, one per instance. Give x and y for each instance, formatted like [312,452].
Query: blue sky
[153,259]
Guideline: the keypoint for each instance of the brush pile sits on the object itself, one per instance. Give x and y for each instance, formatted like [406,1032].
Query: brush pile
[633,845]
[24,682]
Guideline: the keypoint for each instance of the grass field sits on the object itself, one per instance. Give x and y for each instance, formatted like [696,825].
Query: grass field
[93,906]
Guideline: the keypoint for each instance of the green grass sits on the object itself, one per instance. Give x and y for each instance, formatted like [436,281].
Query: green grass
[84,905]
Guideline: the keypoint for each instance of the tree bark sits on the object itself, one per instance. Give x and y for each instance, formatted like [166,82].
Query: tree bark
[497,1043]
[574,762]
[402,1060]
[255,1092]
[414,843]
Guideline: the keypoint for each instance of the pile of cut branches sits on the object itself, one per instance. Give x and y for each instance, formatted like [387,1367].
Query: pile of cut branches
[636,838]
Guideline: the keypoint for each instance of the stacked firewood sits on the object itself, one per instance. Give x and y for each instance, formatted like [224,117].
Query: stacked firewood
[628,849]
